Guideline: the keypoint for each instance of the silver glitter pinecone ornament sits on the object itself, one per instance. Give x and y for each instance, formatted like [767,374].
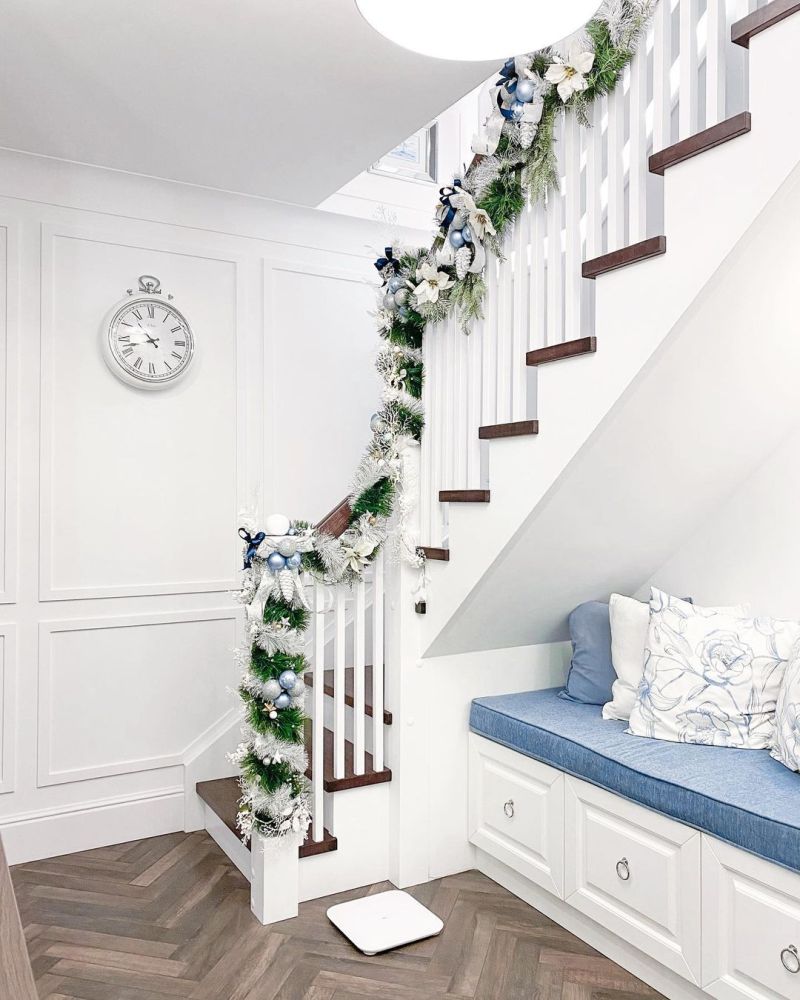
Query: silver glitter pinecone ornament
[526,133]
[463,261]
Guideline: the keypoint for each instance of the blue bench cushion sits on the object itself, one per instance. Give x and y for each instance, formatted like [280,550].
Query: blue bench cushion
[743,797]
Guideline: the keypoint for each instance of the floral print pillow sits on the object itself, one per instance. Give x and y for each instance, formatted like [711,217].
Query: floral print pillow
[786,743]
[711,678]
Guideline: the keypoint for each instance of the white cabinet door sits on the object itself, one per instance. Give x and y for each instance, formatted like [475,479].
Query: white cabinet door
[751,926]
[516,812]
[636,873]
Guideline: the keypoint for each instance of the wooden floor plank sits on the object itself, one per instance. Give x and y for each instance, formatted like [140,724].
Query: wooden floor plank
[190,934]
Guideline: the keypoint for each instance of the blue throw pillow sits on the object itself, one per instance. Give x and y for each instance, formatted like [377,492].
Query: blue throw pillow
[591,672]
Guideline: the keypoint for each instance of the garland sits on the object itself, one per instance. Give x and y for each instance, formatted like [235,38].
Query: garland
[515,160]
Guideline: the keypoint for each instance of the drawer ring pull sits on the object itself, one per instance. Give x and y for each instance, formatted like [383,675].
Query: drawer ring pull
[508,808]
[623,869]
[790,960]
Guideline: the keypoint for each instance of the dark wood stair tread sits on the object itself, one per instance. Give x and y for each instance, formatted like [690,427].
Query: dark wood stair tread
[700,142]
[222,796]
[558,352]
[517,428]
[349,682]
[440,555]
[350,779]
[463,496]
[653,247]
[759,20]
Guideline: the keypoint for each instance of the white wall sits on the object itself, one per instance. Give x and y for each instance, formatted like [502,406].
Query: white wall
[118,508]
[747,551]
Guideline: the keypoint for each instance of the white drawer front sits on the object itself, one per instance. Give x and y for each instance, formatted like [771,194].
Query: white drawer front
[752,926]
[636,873]
[516,812]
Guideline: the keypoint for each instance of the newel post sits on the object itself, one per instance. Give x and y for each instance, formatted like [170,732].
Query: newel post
[275,877]
[405,695]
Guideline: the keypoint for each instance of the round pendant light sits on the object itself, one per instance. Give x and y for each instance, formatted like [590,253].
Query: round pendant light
[473,30]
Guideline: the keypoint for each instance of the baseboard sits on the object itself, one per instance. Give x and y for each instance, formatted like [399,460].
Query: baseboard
[102,823]
[624,954]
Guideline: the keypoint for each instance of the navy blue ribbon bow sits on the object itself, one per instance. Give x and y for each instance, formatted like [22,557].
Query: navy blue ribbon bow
[387,261]
[445,194]
[253,543]
[508,80]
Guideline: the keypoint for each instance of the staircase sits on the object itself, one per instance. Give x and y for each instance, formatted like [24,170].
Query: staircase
[583,311]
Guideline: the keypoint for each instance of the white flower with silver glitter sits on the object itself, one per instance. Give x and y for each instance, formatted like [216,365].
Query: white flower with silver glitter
[569,75]
[431,283]
[358,554]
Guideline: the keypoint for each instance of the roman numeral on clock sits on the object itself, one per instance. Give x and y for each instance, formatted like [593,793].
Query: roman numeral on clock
[151,312]
[180,343]
[136,313]
[176,355]
[167,365]
[137,363]
[151,368]
[124,338]
[127,351]
[175,329]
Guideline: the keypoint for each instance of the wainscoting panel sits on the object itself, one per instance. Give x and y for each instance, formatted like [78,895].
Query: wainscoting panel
[333,337]
[131,693]
[8,706]
[8,414]
[161,463]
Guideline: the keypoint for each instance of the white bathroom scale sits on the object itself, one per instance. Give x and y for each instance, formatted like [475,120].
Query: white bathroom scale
[384,921]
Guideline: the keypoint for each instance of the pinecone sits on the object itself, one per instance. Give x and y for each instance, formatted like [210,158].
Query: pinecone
[463,262]
[526,133]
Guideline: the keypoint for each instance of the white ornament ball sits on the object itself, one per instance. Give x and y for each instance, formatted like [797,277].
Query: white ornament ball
[272,689]
[287,546]
[277,524]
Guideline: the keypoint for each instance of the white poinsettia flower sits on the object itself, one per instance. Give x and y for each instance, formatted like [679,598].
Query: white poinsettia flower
[481,223]
[569,75]
[358,555]
[431,282]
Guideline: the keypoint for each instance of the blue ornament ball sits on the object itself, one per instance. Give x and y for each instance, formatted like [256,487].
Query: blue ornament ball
[295,561]
[283,700]
[292,531]
[456,238]
[272,689]
[466,232]
[517,109]
[287,679]
[404,312]
[276,562]
[525,90]
[395,283]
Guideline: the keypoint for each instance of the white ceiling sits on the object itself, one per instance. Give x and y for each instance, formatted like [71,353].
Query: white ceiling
[287,99]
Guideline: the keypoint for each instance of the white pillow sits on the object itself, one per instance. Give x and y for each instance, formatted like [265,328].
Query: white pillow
[711,678]
[786,742]
[630,620]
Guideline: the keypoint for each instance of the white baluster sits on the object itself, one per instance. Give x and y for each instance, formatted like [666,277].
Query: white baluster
[339,671]
[459,411]
[504,333]
[687,106]
[572,223]
[359,642]
[377,663]
[519,342]
[662,87]
[444,330]
[616,175]
[426,446]
[474,353]
[489,388]
[638,168]
[537,293]
[437,429]
[318,718]
[593,138]
[555,284]
[717,38]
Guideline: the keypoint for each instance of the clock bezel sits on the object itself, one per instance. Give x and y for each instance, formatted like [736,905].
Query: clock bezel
[111,359]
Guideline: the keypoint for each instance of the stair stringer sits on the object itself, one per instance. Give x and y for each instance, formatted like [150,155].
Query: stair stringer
[710,202]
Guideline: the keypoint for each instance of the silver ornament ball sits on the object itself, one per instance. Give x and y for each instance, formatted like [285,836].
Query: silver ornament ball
[395,283]
[272,689]
[287,679]
[466,232]
[376,423]
[456,238]
[276,562]
[389,302]
[283,700]
[525,90]
[295,561]
[403,312]
[401,296]
[287,546]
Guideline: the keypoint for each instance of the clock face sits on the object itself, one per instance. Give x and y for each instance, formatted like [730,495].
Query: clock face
[149,343]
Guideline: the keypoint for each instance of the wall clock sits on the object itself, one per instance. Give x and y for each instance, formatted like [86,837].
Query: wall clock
[146,341]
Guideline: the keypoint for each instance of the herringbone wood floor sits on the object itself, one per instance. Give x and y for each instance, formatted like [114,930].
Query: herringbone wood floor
[170,917]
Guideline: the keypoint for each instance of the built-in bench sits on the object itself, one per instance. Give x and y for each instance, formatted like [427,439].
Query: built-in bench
[743,797]
[680,862]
